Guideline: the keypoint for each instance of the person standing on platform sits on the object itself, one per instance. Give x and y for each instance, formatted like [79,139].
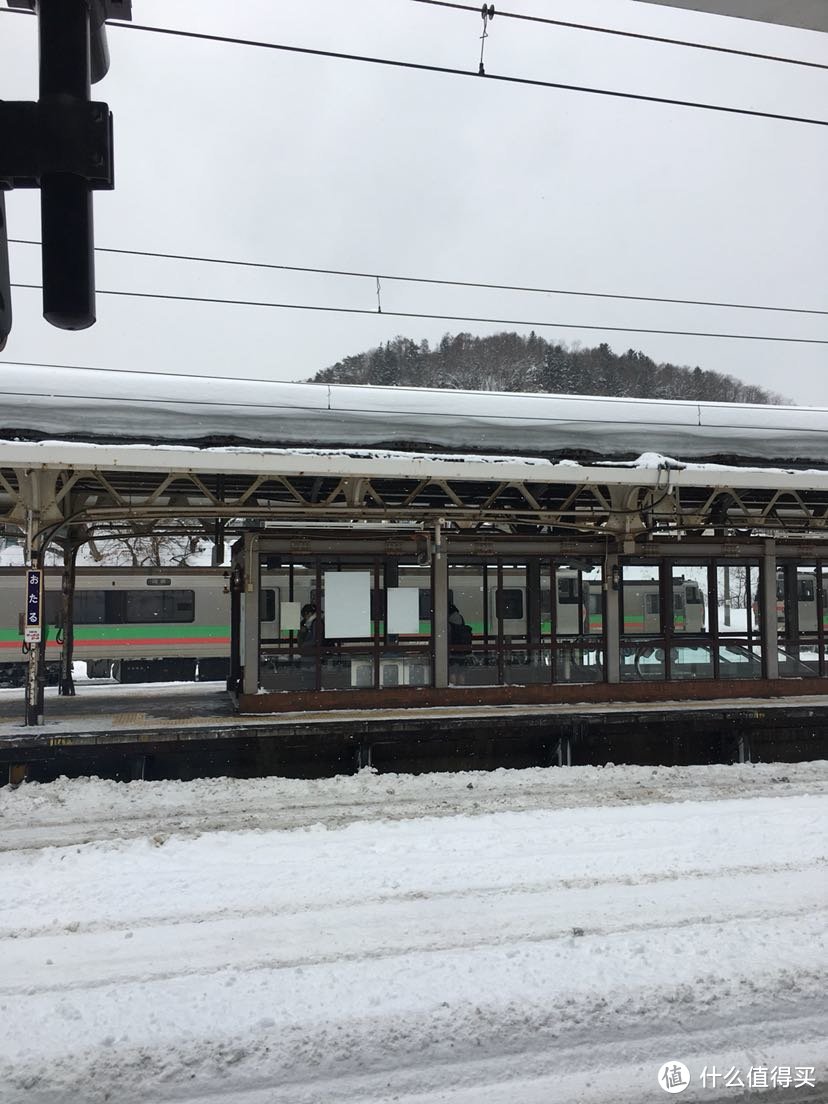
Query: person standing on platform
[308,636]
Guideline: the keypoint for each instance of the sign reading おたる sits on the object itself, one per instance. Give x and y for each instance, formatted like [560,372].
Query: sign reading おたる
[33,618]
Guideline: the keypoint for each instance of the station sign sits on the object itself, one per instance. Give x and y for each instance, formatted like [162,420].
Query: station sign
[33,626]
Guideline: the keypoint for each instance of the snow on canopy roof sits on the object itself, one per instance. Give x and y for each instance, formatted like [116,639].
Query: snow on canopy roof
[157,408]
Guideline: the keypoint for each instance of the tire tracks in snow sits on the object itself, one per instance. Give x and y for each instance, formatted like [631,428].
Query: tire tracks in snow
[311,908]
[518,793]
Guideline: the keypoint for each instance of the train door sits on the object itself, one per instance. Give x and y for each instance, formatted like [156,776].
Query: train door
[572,598]
[806,600]
[694,607]
[269,609]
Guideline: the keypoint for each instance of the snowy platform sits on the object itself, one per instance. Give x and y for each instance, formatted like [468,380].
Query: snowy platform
[116,730]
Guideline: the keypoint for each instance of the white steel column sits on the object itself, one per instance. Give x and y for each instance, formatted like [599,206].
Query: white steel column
[612,627]
[439,602]
[250,616]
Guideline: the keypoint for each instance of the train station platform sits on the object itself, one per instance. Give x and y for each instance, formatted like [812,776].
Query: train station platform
[191,730]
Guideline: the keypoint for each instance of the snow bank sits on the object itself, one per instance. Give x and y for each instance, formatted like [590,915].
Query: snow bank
[559,949]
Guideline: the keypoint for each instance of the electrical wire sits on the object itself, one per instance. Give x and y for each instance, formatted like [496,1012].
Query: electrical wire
[629,34]
[448,317]
[438,282]
[449,71]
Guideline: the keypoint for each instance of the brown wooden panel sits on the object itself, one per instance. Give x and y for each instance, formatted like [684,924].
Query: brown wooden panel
[593,693]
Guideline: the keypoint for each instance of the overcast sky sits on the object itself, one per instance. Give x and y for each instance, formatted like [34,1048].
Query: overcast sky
[258,155]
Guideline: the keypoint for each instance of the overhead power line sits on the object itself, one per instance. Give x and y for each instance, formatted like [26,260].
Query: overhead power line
[535,324]
[629,34]
[449,71]
[438,282]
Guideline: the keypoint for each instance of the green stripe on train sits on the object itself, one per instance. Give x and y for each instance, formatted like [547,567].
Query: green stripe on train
[130,632]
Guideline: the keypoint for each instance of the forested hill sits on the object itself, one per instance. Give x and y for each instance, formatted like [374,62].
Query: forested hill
[510,362]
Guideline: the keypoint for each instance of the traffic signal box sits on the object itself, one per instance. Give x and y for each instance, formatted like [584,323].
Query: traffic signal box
[61,144]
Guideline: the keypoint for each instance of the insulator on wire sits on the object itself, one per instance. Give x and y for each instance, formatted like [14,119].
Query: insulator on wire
[486,13]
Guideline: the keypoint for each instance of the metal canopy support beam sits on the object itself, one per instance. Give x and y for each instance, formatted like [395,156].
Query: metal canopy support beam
[66,683]
[250,615]
[185,460]
[769,626]
[613,619]
[564,497]
[439,598]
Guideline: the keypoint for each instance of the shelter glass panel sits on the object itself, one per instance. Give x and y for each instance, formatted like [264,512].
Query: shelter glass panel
[643,645]
[800,610]
[288,662]
[324,624]
[691,652]
[734,602]
[578,618]
[348,650]
[472,629]
[519,623]
[516,611]
[404,625]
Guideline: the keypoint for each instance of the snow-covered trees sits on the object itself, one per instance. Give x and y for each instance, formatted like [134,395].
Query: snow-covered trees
[512,362]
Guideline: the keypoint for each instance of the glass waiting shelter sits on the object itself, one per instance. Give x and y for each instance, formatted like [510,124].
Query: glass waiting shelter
[414,616]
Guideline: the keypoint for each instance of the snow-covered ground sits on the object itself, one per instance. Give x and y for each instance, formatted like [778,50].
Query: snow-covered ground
[517,937]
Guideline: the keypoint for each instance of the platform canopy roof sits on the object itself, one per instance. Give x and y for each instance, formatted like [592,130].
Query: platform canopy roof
[155,449]
[810,15]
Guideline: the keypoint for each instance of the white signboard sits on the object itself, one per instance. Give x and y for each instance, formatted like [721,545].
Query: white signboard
[347,613]
[290,616]
[403,610]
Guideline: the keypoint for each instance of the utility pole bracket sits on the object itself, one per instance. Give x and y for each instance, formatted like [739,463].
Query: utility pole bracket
[42,138]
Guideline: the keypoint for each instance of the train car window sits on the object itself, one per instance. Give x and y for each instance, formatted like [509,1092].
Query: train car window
[267,605]
[143,607]
[693,596]
[780,588]
[89,607]
[509,604]
[807,590]
[653,603]
[678,600]
[567,590]
[596,602]
[545,603]
[425,603]
[53,607]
